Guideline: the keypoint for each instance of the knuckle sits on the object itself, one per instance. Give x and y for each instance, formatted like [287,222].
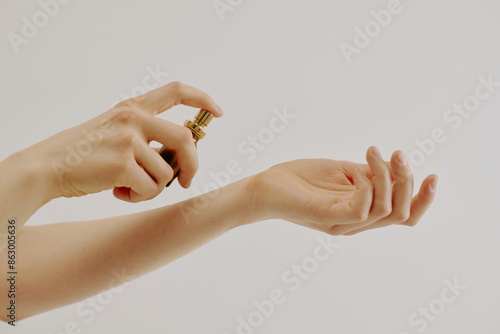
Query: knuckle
[405,171]
[334,231]
[176,89]
[122,157]
[411,223]
[186,136]
[368,186]
[123,165]
[175,85]
[400,216]
[123,160]
[126,140]
[152,191]
[404,174]
[385,174]
[383,211]
[168,174]
[160,180]
[125,104]
[124,115]
[360,216]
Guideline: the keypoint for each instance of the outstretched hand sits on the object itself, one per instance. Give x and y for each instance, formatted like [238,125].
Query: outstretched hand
[342,197]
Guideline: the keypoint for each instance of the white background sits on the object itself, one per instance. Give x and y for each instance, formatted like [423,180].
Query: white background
[276,54]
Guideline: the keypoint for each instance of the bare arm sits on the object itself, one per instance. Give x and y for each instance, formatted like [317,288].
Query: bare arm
[23,190]
[110,151]
[68,262]
[65,263]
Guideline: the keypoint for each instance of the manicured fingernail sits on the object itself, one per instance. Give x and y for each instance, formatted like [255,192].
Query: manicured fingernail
[376,153]
[433,184]
[401,159]
[219,109]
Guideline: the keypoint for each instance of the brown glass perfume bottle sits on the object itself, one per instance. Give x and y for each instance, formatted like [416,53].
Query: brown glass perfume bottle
[201,120]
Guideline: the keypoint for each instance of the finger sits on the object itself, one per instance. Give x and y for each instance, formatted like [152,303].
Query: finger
[423,200]
[350,167]
[419,205]
[122,193]
[362,197]
[153,164]
[402,189]
[382,184]
[358,209]
[402,192]
[138,185]
[157,101]
[177,139]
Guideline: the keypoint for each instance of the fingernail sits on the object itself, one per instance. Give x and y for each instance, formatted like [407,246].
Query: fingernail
[433,184]
[376,153]
[219,109]
[401,159]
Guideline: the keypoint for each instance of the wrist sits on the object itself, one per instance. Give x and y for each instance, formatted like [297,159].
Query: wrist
[28,179]
[241,198]
[225,208]
[250,201]
[233,204]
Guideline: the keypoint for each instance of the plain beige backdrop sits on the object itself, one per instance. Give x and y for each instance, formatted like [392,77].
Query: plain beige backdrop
[265,56]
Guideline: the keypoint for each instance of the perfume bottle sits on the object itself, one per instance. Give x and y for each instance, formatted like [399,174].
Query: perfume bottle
[201,120]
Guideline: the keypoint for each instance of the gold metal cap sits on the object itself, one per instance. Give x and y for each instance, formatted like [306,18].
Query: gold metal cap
[203,117]
[201,120]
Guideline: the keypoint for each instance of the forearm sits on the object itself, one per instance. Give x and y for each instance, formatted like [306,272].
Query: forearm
[24,188]
[65,263]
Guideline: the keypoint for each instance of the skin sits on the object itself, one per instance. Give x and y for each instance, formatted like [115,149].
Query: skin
[110,151]
[335,197]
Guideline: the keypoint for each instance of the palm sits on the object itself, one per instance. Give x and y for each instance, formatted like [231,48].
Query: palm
[342,197]
[299,188]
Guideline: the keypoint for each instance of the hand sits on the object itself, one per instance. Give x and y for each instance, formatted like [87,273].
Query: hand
[112,150]
[341,197]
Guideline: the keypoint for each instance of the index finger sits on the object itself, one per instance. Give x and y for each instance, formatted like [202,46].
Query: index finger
[157,101]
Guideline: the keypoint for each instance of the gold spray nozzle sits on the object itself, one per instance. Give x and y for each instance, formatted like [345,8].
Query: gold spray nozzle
[196,126]
[201,120]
